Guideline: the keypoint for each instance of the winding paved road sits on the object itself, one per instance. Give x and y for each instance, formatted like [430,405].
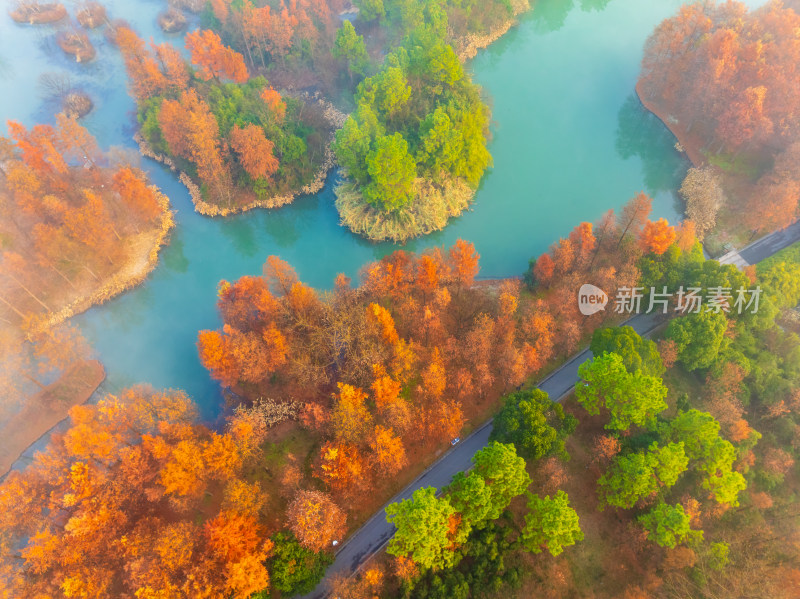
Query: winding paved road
[376,532]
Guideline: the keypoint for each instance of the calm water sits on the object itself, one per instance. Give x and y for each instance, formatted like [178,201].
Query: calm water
[569,142]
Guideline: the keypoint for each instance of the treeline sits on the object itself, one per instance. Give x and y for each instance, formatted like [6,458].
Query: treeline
[298,40]
[614,253]
[727,79]
[460,18]
[71,220]
[236,135]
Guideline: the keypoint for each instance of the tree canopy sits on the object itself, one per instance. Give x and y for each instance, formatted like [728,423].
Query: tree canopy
[699,337]
[668,525]
[630,398]
[535,425]
[550,524]
[423,529]
[638,354]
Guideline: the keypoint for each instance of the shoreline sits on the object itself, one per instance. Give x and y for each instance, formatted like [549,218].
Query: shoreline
[433,207]
[687,144]
[467,47]
[335,119]
[44,410]
[130,275]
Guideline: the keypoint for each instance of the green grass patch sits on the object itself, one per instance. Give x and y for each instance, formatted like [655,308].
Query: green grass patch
[298,442]
[747,165]
[790,255]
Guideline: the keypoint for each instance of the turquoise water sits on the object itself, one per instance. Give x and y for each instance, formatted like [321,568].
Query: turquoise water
[569,142]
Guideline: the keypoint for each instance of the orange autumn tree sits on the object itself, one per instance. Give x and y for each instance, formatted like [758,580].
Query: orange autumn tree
[388,452]
[341,467]
[350,418]
[657,236]
[316,520]
[274,102]
[192,132]
[113,507]
[134,191]
[152,71]
[216,61]
[254,150]
[146,77]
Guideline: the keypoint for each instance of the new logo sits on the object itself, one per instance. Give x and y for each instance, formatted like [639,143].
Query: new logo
[591,299]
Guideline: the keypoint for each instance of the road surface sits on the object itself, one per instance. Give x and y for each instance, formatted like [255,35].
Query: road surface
[376,532]
[771,244]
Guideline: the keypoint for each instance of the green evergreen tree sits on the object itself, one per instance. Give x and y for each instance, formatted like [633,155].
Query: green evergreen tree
[350,46]
[423,527]
[536,425]
[638,354]
[668,525]
[504,472]
[293,568]
[392,171]
[550,524]
[630,398]
[699,338]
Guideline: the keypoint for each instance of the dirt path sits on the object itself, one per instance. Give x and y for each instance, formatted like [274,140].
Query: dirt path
[47,408]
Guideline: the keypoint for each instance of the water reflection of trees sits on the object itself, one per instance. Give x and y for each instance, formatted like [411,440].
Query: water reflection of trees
[240,232]
[173,256]
[640,133]
[550,15]
[5,69]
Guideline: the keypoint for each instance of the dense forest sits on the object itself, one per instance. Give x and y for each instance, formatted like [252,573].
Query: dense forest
[727,81]
[672,467]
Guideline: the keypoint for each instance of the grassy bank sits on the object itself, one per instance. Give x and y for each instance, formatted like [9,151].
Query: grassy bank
[430,211]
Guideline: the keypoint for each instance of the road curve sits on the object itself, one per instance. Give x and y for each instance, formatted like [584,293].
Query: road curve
[376,532]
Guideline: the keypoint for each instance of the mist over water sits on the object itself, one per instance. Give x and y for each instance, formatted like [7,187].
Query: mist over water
[570,141]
